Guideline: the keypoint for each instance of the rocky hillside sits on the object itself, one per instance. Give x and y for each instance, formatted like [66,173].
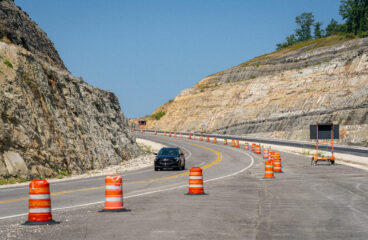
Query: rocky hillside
[51,121]
[279,95]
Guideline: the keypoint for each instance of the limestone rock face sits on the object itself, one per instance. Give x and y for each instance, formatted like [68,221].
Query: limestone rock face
[16,27]
[51,121]
[280,95]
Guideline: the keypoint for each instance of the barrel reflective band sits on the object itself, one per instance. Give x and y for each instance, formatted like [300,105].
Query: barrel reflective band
[195,177]
[269,166]
[113,199]
[39,210]
[112,187]
[268,171]
[196,186]
[39,196]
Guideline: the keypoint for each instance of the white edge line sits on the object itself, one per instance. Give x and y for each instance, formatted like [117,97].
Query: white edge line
[151,192]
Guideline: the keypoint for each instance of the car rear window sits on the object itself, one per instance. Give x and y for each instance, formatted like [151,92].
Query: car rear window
[168,151]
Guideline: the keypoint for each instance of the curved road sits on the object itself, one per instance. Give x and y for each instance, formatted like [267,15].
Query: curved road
[304,202]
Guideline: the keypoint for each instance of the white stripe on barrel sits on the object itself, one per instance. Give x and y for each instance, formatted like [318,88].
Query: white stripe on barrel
[112,187]
[195,177]
[39,210]
[39,196]
[196,186]
[113,199]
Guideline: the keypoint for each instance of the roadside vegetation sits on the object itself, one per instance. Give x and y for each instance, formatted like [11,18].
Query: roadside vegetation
[158,116]
[353,12]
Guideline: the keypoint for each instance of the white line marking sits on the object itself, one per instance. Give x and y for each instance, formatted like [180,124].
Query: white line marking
[150,192]
[67,181]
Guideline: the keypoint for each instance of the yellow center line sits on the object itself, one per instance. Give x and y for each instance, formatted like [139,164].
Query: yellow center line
[218,159]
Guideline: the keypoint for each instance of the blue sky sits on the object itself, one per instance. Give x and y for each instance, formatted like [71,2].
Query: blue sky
[147,51]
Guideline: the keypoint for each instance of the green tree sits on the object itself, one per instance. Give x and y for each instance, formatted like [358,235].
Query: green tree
[290,40]
[304,22]
[355,14]
[318,32]
[333,27]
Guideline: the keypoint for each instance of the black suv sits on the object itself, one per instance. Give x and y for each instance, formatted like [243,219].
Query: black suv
[170,158]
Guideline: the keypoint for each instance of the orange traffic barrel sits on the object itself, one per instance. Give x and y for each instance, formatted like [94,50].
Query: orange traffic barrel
[114,194]
[181,135]
[201,138]
[207,139]
[155,132]
[246,146]
[237,143]
[258,150]
[232,143]
[174,134]
[277,163]
[225,141]
[268,170]
[195,181]
[214,140]
[271,156]
[39,203]
[189,136]
[169,134]
[265,153]
[164,133]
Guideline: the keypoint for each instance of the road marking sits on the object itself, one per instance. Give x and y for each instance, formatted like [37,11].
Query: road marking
[150,192]
[219,158]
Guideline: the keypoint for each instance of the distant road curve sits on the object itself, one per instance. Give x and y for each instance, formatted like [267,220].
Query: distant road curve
[358,151]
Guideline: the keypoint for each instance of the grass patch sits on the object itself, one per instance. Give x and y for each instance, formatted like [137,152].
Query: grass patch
[308,45]
[8,63]
[158,116]
[12,181]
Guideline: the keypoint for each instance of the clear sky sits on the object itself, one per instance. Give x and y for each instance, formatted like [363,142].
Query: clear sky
[147,51]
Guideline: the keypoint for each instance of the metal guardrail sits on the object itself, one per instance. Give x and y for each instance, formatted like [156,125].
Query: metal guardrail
[337,148]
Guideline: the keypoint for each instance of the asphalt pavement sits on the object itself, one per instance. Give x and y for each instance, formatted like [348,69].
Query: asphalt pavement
[303,202]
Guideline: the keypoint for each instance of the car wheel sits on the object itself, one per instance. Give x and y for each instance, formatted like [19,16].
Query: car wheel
[156,168]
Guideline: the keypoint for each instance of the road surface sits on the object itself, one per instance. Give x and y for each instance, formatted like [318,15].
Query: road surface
[304,202]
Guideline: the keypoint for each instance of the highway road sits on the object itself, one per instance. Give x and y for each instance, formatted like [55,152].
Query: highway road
[304,202]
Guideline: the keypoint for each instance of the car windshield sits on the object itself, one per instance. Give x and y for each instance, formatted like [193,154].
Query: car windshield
[169,151]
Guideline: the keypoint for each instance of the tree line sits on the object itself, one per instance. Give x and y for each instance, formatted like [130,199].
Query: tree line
[353,12]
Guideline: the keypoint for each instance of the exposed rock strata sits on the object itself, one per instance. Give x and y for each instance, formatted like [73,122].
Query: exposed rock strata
[280,96]
[16,27]
[51,121]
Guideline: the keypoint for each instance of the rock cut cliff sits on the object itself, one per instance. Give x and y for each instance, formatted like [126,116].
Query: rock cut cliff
[279,95]
[51,121]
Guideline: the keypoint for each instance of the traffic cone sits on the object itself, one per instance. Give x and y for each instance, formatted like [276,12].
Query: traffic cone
[214,140]
[39,203]
[225,141]
[195,181]
[237,143]
[268,170]
[114,194]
